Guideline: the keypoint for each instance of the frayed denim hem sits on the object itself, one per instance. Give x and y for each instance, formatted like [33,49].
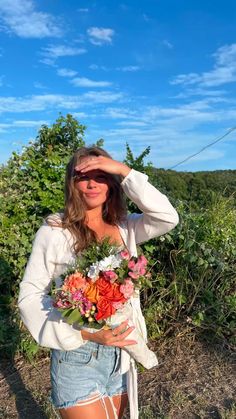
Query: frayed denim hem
[119,393]
[79,401]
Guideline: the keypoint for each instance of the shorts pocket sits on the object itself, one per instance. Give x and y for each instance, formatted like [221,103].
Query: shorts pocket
[77,357]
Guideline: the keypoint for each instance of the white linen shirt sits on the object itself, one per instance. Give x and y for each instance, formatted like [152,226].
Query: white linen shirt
[52,252]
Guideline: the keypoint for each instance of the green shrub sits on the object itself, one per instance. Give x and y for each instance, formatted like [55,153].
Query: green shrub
[31,186]
[194,281]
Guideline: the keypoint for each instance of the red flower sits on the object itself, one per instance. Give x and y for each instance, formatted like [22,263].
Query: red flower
[111,291]
[105,309]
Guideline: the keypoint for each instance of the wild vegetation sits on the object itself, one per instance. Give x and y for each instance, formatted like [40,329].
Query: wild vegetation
[194,278]
[194,274]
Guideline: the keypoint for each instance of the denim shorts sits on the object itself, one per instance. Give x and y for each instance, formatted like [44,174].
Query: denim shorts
[92,369]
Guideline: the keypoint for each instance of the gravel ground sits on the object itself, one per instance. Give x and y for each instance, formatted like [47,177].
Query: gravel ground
[194,380]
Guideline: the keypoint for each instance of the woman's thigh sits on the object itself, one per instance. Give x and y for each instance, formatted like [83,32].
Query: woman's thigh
[105,408]
[120,403]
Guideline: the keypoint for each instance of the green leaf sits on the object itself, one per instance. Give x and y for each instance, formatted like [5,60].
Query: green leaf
[74,317]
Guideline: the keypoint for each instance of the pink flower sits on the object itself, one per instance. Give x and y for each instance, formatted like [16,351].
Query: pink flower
[133,275]
[131,264]
[76,296]
[110,276]
[117,305]
[58,304]
[142,260]
[125,254]
[127,288]
[62,304]
[138,268]
[141,270]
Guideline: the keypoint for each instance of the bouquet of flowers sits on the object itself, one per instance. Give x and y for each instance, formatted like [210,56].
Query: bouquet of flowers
[96,289]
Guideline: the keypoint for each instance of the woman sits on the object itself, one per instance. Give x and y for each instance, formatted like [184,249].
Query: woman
[91,374]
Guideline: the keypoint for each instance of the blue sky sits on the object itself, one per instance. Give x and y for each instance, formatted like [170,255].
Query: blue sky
[154,72]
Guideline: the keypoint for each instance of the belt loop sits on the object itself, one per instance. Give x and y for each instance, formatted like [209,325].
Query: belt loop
[96,350]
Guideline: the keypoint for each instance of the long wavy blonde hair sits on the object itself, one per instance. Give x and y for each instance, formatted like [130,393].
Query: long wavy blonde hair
[73,218]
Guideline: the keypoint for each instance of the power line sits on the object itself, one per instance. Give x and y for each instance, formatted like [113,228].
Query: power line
[204,148]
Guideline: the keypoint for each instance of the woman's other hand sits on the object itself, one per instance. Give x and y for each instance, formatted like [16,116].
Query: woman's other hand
[103,163]
[114,337]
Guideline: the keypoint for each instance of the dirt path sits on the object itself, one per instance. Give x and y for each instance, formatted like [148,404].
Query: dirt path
[194,380]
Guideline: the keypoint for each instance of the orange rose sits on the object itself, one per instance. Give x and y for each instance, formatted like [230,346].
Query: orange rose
[105,309]
[109,290]
[104,287]
[92,292]
[74,282]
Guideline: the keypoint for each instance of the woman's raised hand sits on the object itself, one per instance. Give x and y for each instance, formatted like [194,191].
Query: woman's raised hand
[114,337]
[103,163]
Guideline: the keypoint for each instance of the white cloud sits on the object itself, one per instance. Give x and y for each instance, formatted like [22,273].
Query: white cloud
[130,68]
[167,44]
[84,82]
[56,51]
[22,124]
[120,113]
[103,97]
[97,67]
[226,55]
[30,103]
[146,18]
[83,10]
[65,72]
[199,91]
[223,72]
[100,36]
[39,85]
[94,67]
[80,38]
[80,115]
[133,123]
[29,124]
[171,122]
[4,127]
[48,61]
[127,68]
[22,18]
[56,101]
[186,79]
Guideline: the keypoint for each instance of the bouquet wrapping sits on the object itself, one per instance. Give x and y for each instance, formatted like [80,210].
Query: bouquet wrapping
[96,292]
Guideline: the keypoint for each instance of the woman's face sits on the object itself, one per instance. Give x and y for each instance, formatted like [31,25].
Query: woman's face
[93,186]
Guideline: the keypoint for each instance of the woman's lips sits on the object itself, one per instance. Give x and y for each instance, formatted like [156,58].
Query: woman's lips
[91,195]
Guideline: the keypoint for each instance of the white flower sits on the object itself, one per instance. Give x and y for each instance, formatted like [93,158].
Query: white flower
[109,263]
[93,271]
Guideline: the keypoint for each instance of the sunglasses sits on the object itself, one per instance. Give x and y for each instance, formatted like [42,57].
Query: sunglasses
[85,177]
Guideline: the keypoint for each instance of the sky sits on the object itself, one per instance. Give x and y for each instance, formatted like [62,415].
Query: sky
[158,73]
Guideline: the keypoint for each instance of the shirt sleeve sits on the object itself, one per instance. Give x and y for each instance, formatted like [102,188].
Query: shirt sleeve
[158,215]
[45,322]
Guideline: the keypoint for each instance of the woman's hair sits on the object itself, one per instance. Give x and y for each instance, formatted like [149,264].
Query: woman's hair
[73,218]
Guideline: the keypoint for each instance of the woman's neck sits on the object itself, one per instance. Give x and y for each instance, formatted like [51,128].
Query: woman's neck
[94,216]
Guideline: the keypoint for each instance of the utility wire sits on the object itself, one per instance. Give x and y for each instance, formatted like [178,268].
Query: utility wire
[204,148]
